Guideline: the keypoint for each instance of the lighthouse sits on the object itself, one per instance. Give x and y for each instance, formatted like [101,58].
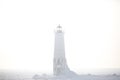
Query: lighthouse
[60,66]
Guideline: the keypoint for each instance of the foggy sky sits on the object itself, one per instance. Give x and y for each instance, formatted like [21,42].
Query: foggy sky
[91,34]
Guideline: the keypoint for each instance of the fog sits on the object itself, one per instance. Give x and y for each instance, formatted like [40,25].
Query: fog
[92,34]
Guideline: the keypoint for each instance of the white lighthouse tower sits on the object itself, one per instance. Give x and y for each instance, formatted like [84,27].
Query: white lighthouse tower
[59,63]
[60,66]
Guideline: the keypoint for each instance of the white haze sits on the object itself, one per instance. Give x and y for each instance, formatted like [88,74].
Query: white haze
[91,34]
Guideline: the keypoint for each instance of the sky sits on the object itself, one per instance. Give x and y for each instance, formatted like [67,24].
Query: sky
[91,34]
